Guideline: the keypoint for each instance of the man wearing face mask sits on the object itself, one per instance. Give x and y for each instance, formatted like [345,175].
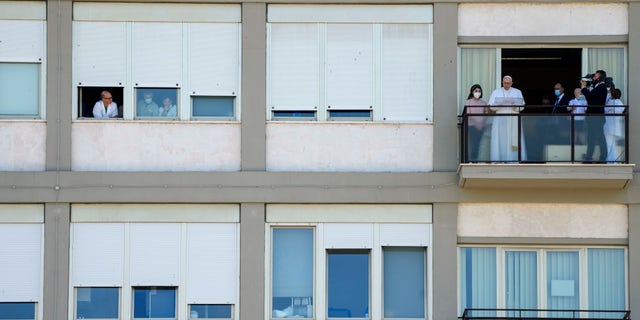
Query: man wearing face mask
[596,96]
[147,107]
[562,100]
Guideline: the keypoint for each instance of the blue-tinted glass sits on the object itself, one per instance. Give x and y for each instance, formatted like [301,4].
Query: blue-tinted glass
[210,311]
[17,310]
[521,282]
[295,114]
[563,282]
[97,303]
[19,89]
[348,284]
[213,107]
[350,114]
[607,285]
[478,281]
[404,285]
[156,102]
[292,273]
[154,303]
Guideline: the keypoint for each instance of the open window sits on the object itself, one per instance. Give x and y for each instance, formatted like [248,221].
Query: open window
[89,96]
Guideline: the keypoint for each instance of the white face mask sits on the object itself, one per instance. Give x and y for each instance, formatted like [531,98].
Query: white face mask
[147,100]
[477,95]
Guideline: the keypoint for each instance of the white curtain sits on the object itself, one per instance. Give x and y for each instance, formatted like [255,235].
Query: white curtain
[521,283]
[606,281]
[478,279]
[477,65]
[563,279]
[611,60]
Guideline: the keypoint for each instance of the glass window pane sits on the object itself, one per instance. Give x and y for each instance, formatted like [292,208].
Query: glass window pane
[294,115]
[19,89]
[521,283]
[478,280]
[17,310]
[210,311]
[563,279]
[607,285]
[350,115]
[292,273]
[154,302]
[97,303]
[220,107]
[348,284]
[404,285]
[157,102]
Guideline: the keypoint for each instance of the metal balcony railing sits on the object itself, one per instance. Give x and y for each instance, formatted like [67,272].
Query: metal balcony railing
[532,134]
[546,314]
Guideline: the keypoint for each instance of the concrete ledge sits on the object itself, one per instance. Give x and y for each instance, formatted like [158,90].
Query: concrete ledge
[572,176]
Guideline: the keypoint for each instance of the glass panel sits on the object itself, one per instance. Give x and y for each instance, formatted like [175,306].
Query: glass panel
[596,146]
[350,114]
[210,311]
[547,138]
[293,115]
[348,284]
[292,273]
[478,280]
[478,135]
[19,89]
[614,130]
[607,286]
[97,303]
[154,302]
[220,107]
[563,283]
[404,285]
[17,310]
[156,102]
[521,282]
[504,136]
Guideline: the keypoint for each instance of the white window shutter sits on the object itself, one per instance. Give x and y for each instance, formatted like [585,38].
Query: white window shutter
[21,40]
[294,66]
[99,53]
[405,69]
[212,269]
[155,254]
[97,254]
[20,262]
[348,236]
[157,54]
[349,66]
[214,58]
[405,235]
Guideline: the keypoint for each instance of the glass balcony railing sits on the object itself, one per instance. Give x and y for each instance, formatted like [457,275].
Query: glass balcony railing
[532,134]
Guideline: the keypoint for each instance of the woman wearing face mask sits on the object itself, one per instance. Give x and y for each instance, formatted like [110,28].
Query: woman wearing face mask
[614,126]
[168,109]
[475,108]
[578,106]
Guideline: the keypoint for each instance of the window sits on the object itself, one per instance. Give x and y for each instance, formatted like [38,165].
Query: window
[157,103]
[292,284]
[210,311]
[154,303]
[553,273]
[404,282]
[89,96]
[17,310]
[348,283]
[283,115]
[350,62]
[213,107]
[19,89]
[97,303]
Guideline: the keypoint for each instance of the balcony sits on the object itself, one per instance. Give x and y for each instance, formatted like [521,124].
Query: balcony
[517,146]
[546,314]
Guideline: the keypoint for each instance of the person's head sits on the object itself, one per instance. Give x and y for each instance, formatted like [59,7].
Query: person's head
[106,97]
[558,89]
[475,92]
[166,102]
[507,82]
[616,93]
[148,97]
[599,76]
[546,100]
[577,92]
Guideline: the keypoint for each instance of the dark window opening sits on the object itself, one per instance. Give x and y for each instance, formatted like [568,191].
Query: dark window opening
[88,96]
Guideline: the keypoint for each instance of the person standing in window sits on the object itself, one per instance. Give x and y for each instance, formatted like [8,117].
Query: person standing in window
[147,107]
[614,126]
[168,109]
[105,107]
[596,99]
[475,108]
[504,130]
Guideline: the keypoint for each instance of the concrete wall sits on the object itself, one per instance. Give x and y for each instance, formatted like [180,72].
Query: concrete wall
[22,144]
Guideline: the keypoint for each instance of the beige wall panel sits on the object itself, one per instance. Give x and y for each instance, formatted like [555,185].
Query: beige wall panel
[358,147]
[370,213]
[28,10]
[21,213]
[533,19]
[167,12]
[23,145]
[155,146]
[543,220]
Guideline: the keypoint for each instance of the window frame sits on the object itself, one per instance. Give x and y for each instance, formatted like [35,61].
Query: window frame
[34,303]
[234,117]
[425,284]
[368,252]
[40,88]
[75,302]
[175,305]
[231,306]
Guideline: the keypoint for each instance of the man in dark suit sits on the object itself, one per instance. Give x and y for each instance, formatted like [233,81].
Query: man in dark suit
[557,126]
[596,96]
[562,100]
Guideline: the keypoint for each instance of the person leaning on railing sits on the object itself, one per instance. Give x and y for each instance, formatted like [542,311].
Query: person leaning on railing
[596,99]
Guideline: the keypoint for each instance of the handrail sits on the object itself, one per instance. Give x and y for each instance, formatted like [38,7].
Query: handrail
[518,314]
